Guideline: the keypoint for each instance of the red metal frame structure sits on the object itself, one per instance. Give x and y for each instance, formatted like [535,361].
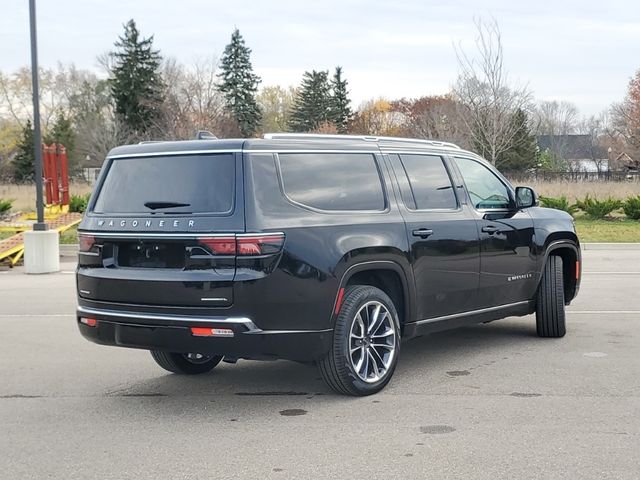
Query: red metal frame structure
[56,174]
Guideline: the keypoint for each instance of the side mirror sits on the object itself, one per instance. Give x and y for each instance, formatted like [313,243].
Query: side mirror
[526,197]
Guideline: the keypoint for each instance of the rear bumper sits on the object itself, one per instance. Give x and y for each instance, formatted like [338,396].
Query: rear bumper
[172,333]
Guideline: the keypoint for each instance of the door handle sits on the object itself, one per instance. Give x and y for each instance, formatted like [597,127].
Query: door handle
[490,229]
[422,232]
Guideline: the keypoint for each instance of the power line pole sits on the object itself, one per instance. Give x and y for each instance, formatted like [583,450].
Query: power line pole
[37,134]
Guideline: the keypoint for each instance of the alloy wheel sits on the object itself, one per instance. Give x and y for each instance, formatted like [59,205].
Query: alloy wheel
[372,342]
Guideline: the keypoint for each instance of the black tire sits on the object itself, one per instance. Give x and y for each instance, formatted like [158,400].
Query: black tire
[337,368]
[180,363]
[550,315]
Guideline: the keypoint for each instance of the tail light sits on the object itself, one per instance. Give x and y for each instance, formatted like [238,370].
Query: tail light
[220,245]
[86,242]
[259,244]
[244,244]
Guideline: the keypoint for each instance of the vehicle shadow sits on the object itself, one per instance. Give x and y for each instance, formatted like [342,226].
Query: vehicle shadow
[249,386]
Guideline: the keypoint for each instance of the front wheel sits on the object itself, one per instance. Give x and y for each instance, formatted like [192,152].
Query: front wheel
[185,363]
[550,315]
[366,343]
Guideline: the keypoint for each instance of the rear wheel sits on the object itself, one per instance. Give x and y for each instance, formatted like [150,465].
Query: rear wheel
[550,315]
[366,343]
[186,363]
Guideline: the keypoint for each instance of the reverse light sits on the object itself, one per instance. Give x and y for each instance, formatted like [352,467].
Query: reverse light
[211,332]
[89,322]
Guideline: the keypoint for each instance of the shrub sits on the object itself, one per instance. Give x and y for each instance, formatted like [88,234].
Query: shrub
[598,209]
[5,205]
[631,207]
[559,204]
[78,203]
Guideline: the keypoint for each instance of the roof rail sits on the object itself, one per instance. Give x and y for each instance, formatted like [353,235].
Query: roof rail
[366,138]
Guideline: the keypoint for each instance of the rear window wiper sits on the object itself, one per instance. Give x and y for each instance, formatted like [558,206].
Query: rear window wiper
[157,205]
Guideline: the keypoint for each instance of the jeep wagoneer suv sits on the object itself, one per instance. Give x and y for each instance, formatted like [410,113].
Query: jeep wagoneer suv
[314,248]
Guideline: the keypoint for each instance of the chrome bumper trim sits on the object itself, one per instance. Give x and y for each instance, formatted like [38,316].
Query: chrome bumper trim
[84,311]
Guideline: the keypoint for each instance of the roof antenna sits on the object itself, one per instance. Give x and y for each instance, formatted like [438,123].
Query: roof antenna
[204,135]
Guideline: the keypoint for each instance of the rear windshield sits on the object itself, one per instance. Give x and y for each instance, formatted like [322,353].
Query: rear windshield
[171,184]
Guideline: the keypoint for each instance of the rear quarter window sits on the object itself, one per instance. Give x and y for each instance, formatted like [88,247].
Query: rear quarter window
[198,183]
[333,181]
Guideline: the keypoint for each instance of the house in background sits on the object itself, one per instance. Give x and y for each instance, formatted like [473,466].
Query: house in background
[581,152]
[91,169]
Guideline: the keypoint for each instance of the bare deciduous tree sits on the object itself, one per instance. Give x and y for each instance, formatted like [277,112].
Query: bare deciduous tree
[378,117]
[483,88]
[192,101]
[435,118]
[626,120]
[594,129]
[276,103]
[556,119]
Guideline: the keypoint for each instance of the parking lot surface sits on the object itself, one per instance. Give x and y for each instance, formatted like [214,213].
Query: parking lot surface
[487,402]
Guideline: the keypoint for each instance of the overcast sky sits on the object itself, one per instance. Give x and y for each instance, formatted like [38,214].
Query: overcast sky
[581,51]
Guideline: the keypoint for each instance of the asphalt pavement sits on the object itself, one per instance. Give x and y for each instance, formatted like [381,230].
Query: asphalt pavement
[486,402]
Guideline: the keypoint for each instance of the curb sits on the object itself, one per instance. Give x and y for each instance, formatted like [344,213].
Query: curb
[69,250]
[611,246]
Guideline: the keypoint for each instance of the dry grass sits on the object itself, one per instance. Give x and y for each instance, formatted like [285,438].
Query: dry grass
[578,190]
[24,196]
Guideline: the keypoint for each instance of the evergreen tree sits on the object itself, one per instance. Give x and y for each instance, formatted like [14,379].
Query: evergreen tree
[312,106]
[340,108]
[136,83]
[239,85]
[523,152]
[24,161]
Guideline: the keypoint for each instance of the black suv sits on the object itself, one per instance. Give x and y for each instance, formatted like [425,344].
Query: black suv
[314,248]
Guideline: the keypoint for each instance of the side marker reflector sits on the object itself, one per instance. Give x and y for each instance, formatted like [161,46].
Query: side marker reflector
[339,301]
[90,322]
[577,270]
[211,332]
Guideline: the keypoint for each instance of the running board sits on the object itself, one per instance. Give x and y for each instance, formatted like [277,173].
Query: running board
[483,315]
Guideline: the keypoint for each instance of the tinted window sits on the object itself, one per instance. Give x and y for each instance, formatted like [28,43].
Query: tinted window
[200,183]
[485,189]
[332,181]
[429,181]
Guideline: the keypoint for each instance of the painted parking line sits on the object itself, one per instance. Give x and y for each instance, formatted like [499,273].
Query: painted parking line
[35,315]
[606,312]
[610,273]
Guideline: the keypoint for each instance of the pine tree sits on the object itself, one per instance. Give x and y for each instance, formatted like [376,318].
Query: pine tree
[523,152]
[136,84]
[312,105]
[239,85]
[340,108]
[24,161]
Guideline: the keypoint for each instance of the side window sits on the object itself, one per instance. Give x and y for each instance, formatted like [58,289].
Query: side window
[429,181]
[332,181]
[485,189]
